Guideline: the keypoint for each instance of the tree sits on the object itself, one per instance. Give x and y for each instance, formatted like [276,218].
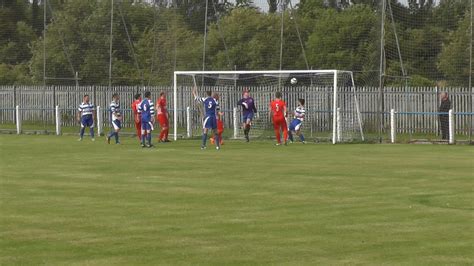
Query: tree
[344,40]
[16,36]
[36,20]
[193,11]
[272,6]
[78,40]
[454,57]
[14,74]
[253,41]
[170,46]
[449,13]
[242,30]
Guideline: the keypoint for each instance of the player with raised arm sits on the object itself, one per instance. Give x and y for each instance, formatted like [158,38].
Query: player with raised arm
[278,113]
[211,107]
[163,117]
[136,115]
[248,111]
[115,119]
[85,115]
[147,112]
[295,125]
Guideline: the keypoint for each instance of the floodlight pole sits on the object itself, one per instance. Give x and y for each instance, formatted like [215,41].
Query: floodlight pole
[204,41]
[111,41]
[44,44]
[44,58]
[281,40]
[470,79]
[175,107]
[381,76]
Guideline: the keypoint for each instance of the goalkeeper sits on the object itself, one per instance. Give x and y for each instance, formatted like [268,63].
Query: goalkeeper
[249,110]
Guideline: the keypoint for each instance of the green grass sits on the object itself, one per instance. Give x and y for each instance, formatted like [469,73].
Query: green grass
[75,203]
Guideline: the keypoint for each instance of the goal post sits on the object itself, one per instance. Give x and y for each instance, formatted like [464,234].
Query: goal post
[325,91]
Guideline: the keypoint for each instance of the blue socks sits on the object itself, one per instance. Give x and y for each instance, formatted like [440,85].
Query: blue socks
[301,137]
[290,136]
[114,134]
[83,129]
[143,139]
[148,136]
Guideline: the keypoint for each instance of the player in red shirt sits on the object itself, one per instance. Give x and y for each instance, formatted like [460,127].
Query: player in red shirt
[220,128]
[162,115]
[136,115]
[278,113]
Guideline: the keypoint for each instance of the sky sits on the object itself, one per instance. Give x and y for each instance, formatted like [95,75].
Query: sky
[262,4]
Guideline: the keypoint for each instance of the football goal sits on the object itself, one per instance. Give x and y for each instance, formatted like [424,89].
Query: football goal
[332,108]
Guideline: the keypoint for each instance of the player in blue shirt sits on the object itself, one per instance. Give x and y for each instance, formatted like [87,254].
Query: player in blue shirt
[211,109]
[248,111]
[147,111]
[85,115]
[115,119]
[295,126]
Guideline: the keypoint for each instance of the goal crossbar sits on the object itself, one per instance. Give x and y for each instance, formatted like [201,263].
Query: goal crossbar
[325,71]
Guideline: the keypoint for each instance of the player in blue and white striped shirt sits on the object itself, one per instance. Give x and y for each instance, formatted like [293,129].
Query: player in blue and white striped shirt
[115,118]
[85,115]
[295,126]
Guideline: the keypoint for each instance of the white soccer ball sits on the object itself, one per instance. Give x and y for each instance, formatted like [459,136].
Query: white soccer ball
[294,81]
[246,105]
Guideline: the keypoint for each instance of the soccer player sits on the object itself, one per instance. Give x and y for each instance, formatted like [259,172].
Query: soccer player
[136,115]
[85,115]
[163,117]
[115,119]
[220,129]
[211,107]
[147,112]
[249,110]
[278,113]
[295,125]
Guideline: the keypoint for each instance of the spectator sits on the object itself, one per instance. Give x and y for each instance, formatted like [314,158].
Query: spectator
[444,108]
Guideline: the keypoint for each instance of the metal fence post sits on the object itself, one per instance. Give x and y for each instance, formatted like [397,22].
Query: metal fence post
[94,94]
[58,120]
[339,126]
[14,101]
[188,122]
[99,121]
[392,126]
[437,102]
[236,122]
[451,126]
[18,120]
[54,95]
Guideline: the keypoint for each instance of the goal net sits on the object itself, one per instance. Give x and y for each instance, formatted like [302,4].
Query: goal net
[332,109]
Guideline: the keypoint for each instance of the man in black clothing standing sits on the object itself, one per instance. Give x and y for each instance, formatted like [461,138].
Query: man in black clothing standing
[444,107]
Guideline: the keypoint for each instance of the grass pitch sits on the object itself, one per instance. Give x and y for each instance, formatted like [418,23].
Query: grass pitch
[74,203]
